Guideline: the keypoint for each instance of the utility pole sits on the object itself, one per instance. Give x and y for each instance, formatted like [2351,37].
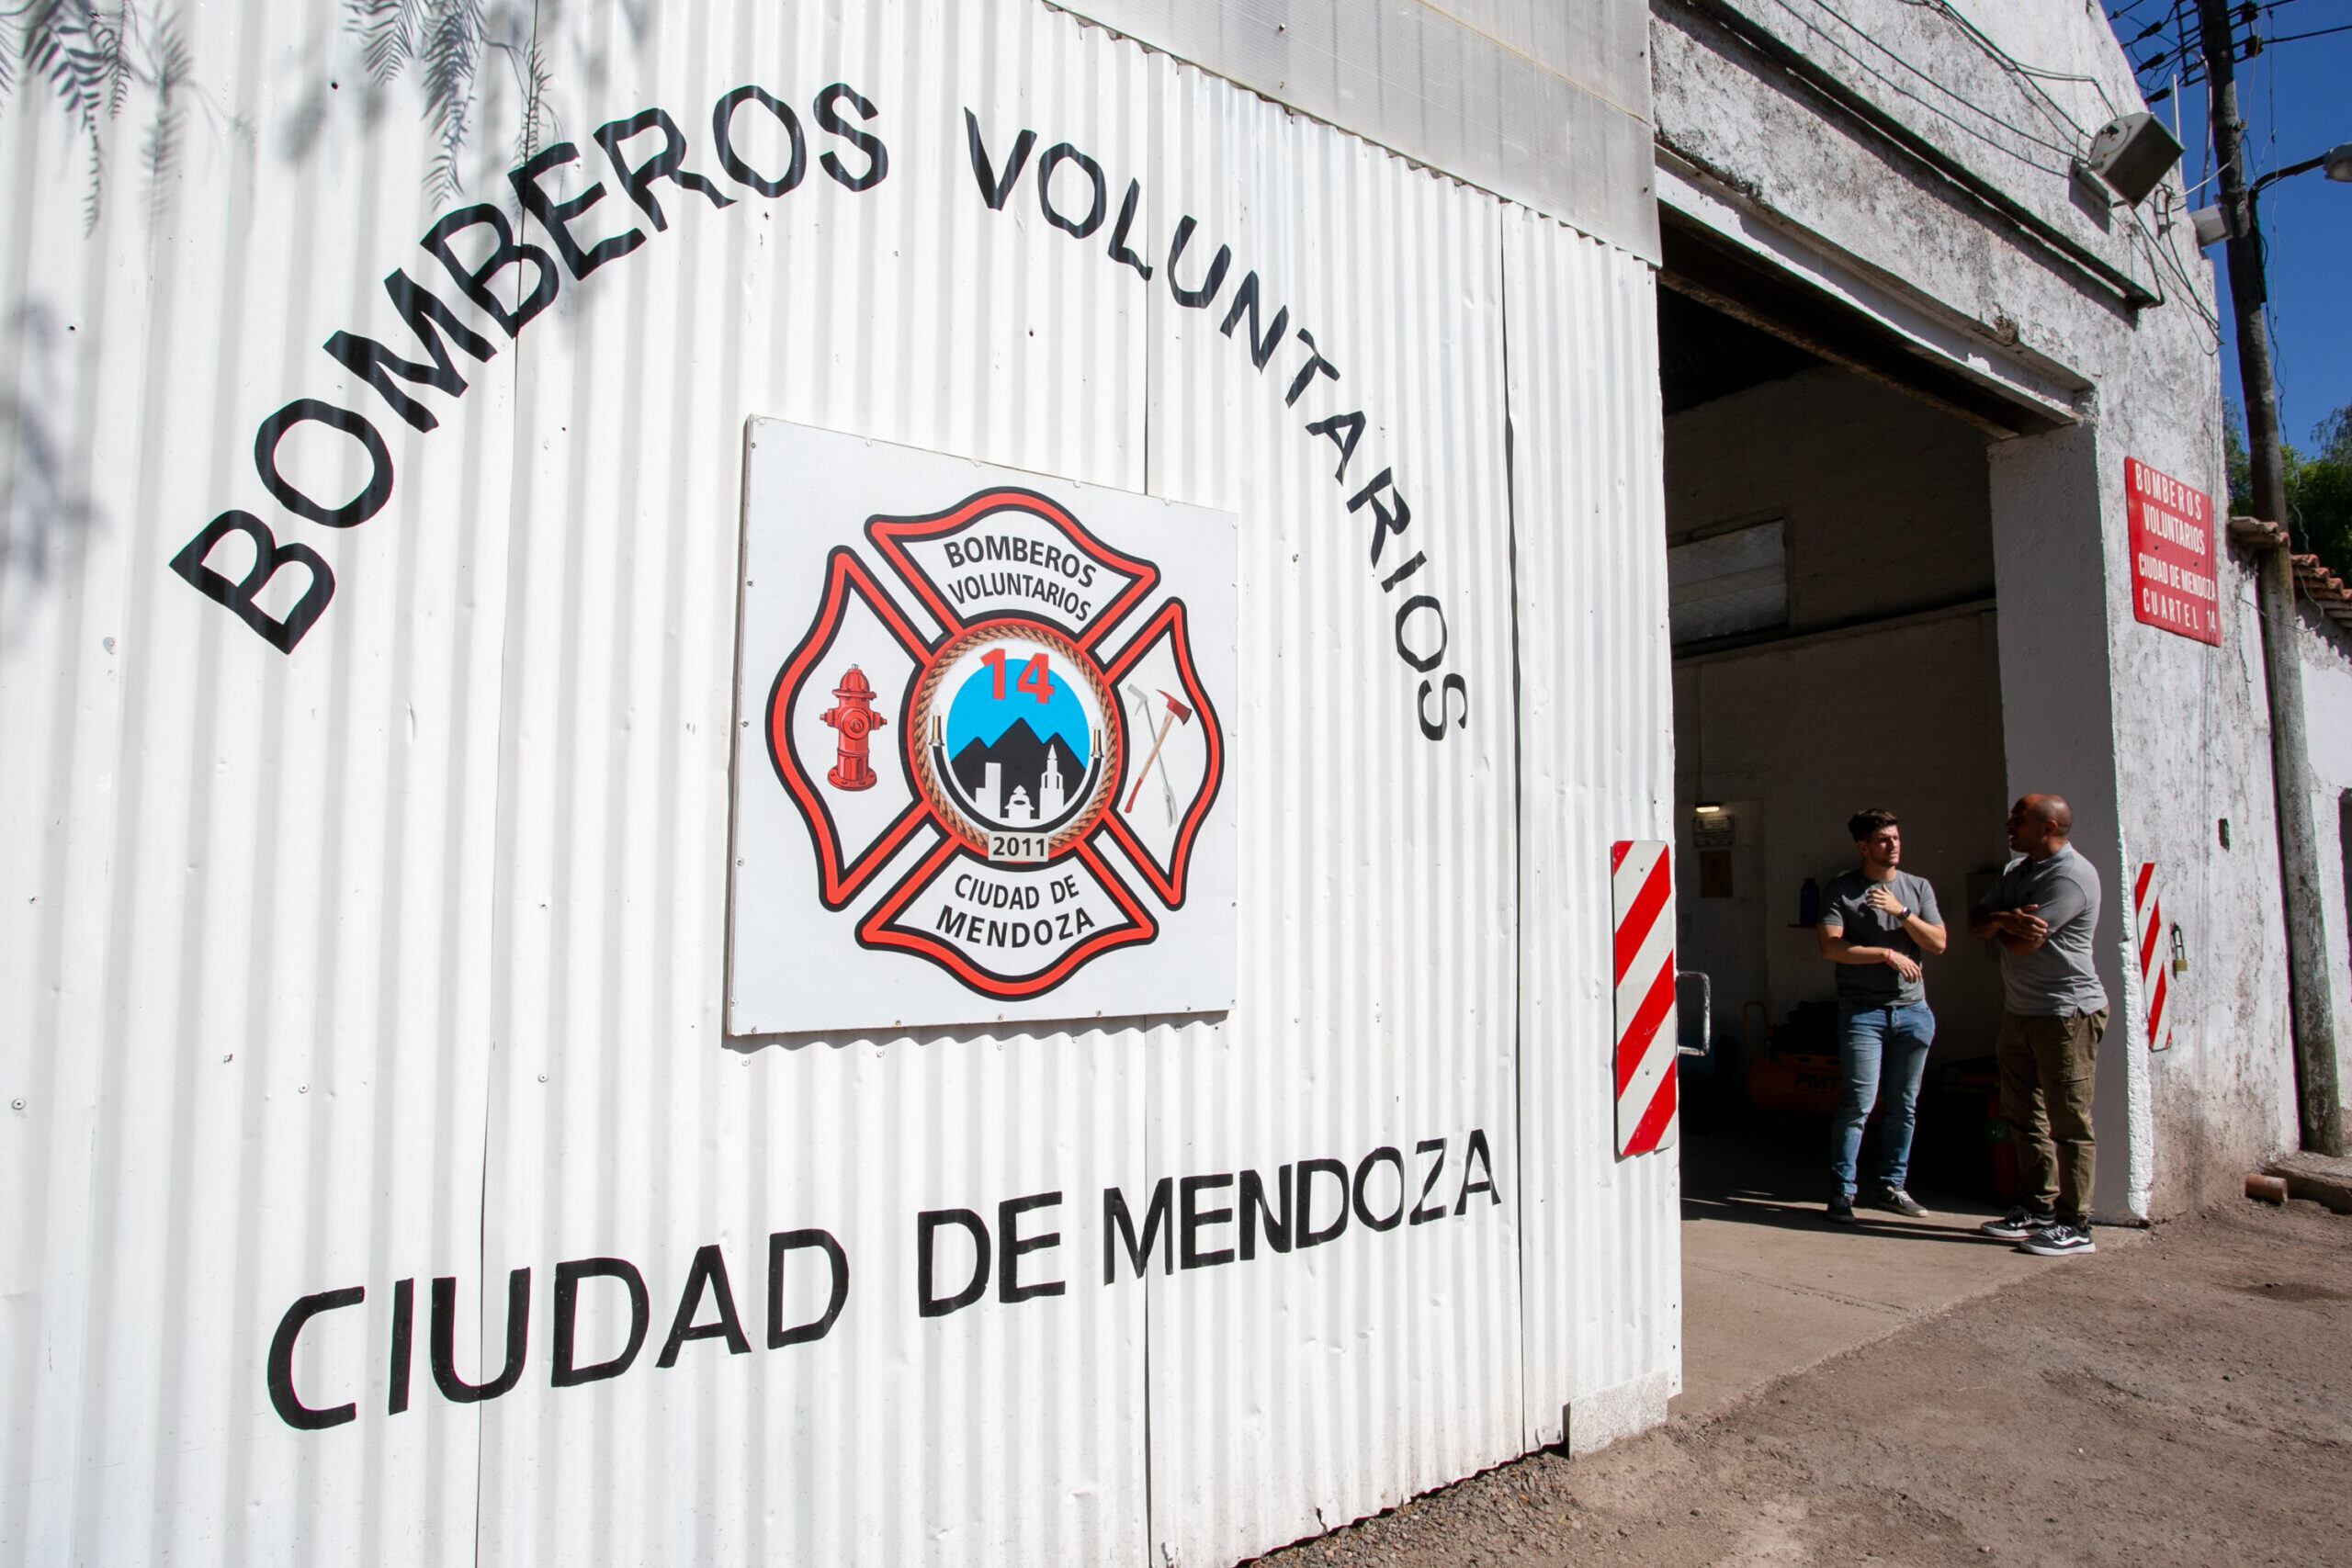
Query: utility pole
[2319,1103]
[2248,290]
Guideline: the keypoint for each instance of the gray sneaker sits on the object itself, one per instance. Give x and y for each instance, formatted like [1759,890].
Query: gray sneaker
[2060,1238]
[2018,1224]
[1901,1203]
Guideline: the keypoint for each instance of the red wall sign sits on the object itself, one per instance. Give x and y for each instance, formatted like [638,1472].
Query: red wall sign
[2172,554]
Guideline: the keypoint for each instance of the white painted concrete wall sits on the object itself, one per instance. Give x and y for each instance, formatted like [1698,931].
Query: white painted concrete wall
[2327,722]
[2152,737]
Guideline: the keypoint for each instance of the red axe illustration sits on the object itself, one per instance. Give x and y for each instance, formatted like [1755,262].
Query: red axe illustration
[1177,713]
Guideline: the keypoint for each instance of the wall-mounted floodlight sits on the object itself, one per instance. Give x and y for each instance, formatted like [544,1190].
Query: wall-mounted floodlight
[1709,809]
[2133,154]
[2213,225]
[2336,161]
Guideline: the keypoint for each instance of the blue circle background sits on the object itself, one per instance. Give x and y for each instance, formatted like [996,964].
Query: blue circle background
[978,715]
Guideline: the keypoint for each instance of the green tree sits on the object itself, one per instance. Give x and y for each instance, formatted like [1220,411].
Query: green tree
[2319,488]
[2240,466]
[2319,493]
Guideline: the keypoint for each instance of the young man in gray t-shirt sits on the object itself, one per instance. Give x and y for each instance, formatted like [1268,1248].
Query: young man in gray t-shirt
[1877,922]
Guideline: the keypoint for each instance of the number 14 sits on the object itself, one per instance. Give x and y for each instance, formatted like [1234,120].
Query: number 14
[1035,678]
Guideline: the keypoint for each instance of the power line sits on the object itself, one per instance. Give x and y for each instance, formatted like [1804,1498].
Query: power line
[2063,150]
[2177,20]
[2179,50]
[1933,109]
[2253,45]
[2205,314]
[2166,254]
[2033,75]
[2298,38]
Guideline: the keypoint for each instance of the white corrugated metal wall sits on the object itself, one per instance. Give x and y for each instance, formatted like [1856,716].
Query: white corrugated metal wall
[1602,1282]
[1328,1385]
[402,957]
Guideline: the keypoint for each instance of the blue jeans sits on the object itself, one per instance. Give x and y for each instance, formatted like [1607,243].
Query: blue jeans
[1875,1045]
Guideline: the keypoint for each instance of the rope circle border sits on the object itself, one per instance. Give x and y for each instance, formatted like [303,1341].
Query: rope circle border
[952,821]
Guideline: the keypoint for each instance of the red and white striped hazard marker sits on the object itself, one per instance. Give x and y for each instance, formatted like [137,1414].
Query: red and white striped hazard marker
[2153,958]
[1642,874]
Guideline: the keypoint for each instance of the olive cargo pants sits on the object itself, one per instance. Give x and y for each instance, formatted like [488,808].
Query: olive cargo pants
[2047,1068]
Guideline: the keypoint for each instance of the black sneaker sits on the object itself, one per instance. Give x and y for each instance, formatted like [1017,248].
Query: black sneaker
[2018,1224]
[1841,1212]
[2060,1238]
[1901,1203]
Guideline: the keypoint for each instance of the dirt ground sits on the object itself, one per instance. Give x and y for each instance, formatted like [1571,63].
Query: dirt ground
[2185,1401]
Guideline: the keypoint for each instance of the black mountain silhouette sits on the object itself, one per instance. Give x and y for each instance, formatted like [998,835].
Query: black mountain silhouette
[1022,756]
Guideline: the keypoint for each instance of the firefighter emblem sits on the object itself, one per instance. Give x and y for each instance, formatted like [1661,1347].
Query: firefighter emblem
[997,740]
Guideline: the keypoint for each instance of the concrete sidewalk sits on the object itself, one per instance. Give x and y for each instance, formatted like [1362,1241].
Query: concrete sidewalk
[1770,1287]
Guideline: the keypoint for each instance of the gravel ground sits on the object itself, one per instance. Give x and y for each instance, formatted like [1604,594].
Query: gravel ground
[2189,1400]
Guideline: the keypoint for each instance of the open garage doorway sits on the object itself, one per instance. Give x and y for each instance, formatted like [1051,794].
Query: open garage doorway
[1831,568]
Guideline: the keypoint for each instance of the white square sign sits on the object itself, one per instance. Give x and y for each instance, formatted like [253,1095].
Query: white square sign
[984,745]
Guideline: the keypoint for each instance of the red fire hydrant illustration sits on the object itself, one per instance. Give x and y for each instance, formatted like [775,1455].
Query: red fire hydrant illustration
[853,715]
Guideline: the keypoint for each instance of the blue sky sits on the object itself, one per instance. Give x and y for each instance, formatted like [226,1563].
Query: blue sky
[2296,101]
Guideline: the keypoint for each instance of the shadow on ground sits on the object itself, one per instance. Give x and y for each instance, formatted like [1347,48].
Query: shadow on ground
[1774,1173]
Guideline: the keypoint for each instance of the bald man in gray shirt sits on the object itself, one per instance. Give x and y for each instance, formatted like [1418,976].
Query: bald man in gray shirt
[2043,915]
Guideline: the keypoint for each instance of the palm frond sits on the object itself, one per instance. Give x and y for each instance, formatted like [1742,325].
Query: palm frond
[53,52]
[452,55]
[78,50]
[537,80]
[108,57]
[443,45]
[161,150]
[386,31]
[94,196]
